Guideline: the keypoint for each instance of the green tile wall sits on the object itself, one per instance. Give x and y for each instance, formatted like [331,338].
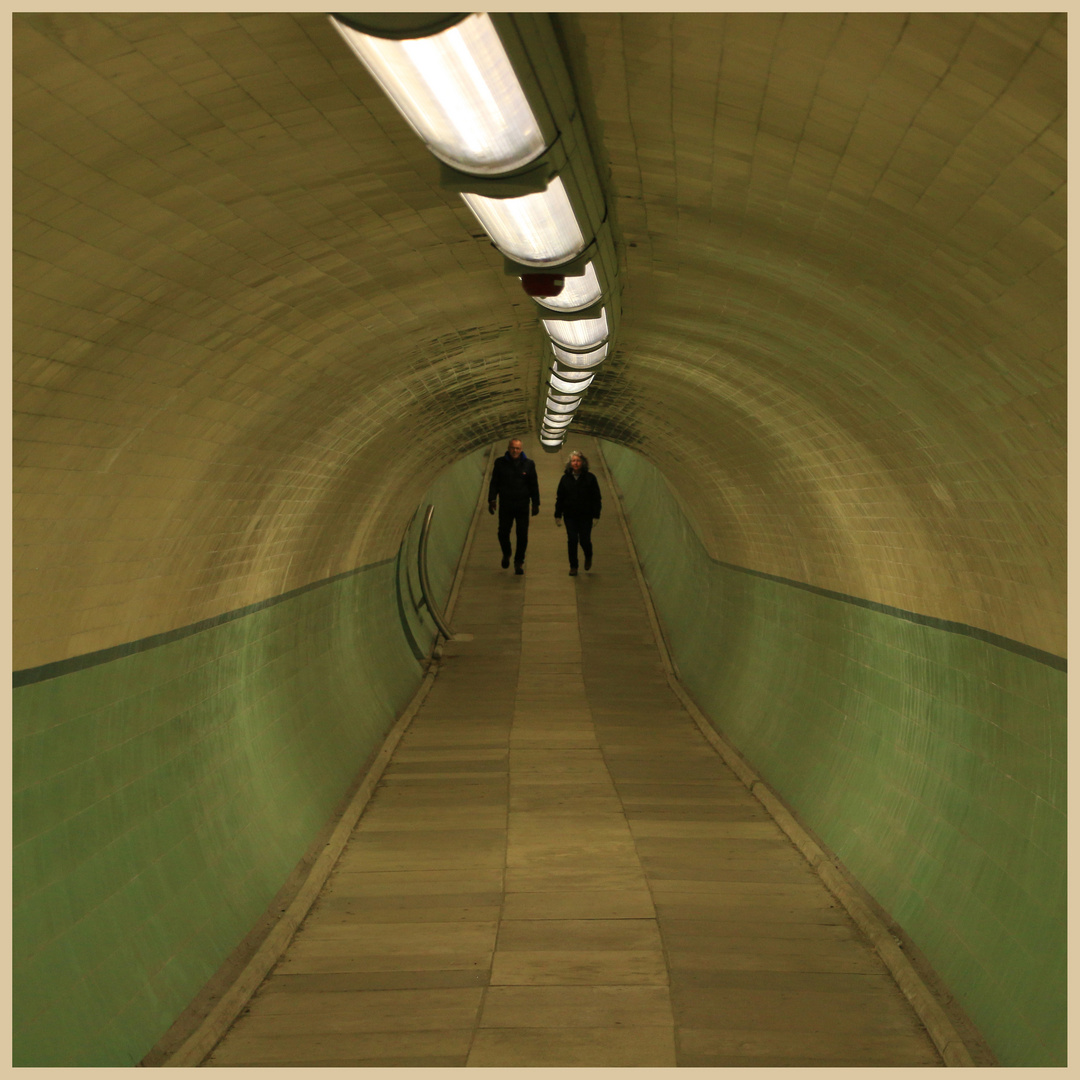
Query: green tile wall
[161,799]
[931,762]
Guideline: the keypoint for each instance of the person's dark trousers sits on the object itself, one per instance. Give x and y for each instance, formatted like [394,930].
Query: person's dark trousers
[507,516]
[578,531]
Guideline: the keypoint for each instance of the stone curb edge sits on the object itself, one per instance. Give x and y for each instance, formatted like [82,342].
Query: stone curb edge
[194,1050]
[944,1035]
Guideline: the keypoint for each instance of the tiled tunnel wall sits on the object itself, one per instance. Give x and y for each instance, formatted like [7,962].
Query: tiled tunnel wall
[930,759]
[251,330]
[846,234]
[163,796]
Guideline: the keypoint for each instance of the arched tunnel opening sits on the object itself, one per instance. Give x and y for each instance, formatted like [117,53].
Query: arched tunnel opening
[817,306]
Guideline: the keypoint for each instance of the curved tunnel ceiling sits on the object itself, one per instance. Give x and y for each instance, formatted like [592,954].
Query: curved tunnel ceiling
[250,327]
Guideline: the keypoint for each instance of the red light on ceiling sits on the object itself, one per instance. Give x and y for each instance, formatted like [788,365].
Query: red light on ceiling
[543,284]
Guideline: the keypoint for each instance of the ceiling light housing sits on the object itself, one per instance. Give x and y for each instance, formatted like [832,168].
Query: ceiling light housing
[455,85]
[558,381]
[574,378]
[581,361]
[578,335]
[559,397]
[538,229]
[577,292]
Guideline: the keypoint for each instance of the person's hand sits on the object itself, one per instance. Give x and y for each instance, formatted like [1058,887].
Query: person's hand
[596,521]
[536,510]
[491,507]
[558,523]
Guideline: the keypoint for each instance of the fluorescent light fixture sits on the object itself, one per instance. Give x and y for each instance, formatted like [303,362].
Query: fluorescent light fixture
[557,422]
[557,408]
[578,333]
[537,230]
[580,377]
[580,360]
[563,398]
[558,383]
[459,92]
[577,292]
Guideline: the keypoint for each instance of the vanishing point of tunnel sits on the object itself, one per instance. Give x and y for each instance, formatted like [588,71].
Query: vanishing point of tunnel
[303,776]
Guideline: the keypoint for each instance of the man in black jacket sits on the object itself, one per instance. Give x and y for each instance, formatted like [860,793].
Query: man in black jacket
[514,485]
[578,501]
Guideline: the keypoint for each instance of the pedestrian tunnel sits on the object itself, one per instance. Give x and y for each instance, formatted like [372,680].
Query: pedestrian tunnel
[781,778]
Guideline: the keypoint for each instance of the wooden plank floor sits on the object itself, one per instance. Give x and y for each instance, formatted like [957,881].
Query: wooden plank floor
[558,870]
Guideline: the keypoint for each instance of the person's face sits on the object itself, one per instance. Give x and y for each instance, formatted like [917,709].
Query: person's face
[575,463]
[515,448]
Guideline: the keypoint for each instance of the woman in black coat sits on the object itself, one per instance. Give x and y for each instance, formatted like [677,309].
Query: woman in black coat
[578,503]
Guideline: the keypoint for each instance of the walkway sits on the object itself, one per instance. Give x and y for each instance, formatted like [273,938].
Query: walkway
[558,870]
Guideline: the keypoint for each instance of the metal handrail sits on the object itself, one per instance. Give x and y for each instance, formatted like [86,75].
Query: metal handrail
[425,585]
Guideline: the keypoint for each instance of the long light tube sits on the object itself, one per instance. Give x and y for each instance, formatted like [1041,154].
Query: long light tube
[568,387]
[459,92]
[580,360]
[577,292]
[537,230]
[578,333]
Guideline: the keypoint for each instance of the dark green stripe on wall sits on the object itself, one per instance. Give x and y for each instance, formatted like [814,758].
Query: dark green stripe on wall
[27,676]
[163,797]
[931,760]
[1019,647]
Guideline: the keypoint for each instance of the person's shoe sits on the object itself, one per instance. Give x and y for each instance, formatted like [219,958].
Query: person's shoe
[588,562]
[519,569]
[573,571]
[506,561]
